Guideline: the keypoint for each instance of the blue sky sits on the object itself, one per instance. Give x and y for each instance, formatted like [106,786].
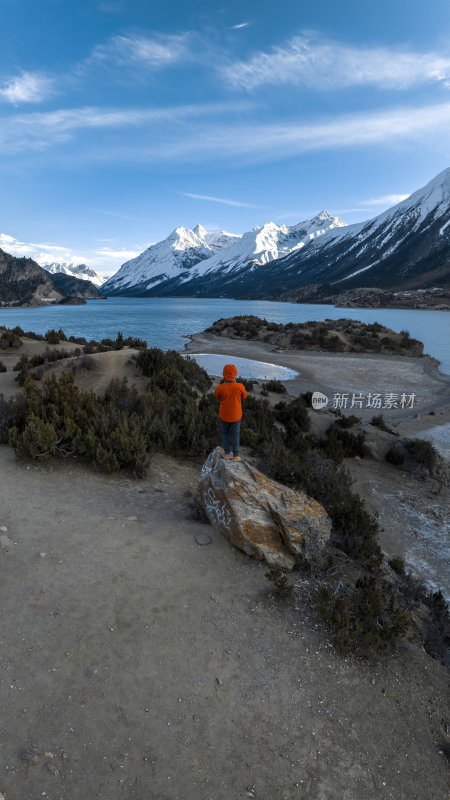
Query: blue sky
[122,119]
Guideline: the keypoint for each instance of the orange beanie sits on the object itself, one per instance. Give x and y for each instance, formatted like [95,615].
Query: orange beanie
[229,372]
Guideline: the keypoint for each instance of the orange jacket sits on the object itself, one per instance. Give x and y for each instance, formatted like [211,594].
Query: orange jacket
[230,396]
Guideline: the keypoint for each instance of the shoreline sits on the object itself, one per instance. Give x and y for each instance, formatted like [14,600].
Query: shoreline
[344,372]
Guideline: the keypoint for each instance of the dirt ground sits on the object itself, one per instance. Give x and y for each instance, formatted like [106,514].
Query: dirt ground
[345,372]
[136,663]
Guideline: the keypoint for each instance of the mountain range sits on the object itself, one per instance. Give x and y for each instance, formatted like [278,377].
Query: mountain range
[407,247]
[80,271]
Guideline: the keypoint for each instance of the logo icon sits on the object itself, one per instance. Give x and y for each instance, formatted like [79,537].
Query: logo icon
[319,401]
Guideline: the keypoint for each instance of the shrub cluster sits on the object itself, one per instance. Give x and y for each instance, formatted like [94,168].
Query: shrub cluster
[366,618]
[9,338]
[26,366]
[118,430]
[275,386]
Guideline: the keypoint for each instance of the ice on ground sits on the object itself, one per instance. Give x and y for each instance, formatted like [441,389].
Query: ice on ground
[246,367]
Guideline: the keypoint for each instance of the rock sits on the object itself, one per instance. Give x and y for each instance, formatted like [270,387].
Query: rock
[5,543]
[30,755]
[132,519]
[203,538]
[3,528]
[259,516]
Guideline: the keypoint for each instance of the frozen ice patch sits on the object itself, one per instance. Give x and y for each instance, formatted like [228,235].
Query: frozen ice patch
[246,367]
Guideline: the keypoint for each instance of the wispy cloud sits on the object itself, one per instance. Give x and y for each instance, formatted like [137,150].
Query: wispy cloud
[29,87]
[241,25]
[219,200]
[39,131]
[278,141]
[152,52]
[315,62]
[190,133]
[115,214]
[385,200]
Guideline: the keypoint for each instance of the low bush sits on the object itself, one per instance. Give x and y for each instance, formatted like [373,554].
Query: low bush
[422,452]
[247,383]
[3,368]
[278,578]
[275,386]
[9,338]
[397,564]
[346,422]
[339,443]
[395,456]
[365,618]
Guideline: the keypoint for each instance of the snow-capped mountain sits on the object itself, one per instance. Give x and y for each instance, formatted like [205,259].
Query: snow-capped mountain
[167,260]
[407,246]
[81,271]
[187,255]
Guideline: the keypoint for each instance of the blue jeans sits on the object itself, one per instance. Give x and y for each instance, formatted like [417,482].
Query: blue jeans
[231,429]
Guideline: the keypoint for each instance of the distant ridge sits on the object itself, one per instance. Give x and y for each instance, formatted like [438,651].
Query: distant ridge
[405,247]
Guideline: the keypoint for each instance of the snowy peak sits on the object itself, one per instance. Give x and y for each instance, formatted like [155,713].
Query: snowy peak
[168,259]
[81,271]
[200,231]
[400,245]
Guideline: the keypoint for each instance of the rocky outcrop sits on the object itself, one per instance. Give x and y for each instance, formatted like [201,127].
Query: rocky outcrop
[259,516]
[75,287]
[23,282]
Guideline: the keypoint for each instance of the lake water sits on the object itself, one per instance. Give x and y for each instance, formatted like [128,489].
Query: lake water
[165,322]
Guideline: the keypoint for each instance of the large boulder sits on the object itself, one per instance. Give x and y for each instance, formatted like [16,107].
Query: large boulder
[259,516]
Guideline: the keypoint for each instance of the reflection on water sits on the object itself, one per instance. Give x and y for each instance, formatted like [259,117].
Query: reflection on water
[246,367]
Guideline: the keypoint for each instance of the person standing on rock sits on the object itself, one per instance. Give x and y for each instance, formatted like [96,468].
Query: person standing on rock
[231,395]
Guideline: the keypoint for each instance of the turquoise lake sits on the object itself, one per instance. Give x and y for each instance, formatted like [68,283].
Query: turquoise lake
[165,322]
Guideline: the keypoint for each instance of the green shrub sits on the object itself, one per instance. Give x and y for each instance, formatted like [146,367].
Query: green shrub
[247,383]
[294,416]
[278,578]
[346,422]
[12,413]
[395,456]
[339,443]
[53,337]
[366,618]
[422,452]
[275,386]
[9,338]
[397,564]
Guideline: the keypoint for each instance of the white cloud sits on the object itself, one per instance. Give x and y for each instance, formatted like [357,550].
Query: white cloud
[219,200]
[241,25]
[29,87]
[315,62]
[103,259]
[386,200]
[277,141]
[38,131]
[192,133]
[149,51]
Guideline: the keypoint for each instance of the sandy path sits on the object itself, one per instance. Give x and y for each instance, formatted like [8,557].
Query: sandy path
[151,667]
[344,372]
